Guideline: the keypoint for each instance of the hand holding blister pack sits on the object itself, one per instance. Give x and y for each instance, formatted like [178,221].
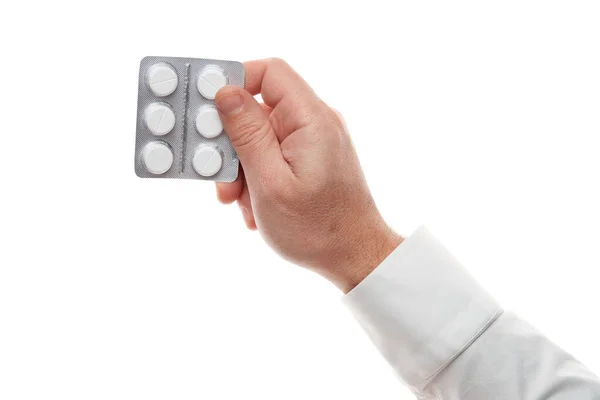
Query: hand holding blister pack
[179,133]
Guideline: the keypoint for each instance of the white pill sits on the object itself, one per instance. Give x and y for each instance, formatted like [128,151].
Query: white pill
[162,79]
[157,157]
[207,160]
[208,122]
[210,80]
[159,118]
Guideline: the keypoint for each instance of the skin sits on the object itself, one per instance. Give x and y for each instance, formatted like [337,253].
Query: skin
[302,186]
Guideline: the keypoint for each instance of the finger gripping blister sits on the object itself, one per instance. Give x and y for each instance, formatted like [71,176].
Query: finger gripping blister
[179,133]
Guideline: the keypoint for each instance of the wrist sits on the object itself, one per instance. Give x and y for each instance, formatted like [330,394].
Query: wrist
[368,249]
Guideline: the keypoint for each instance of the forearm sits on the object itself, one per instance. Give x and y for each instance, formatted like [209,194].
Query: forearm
[512,360]
[447,338]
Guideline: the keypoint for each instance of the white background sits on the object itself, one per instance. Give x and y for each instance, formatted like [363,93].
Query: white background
[479,119]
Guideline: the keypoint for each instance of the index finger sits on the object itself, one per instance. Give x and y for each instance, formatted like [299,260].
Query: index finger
[275,80]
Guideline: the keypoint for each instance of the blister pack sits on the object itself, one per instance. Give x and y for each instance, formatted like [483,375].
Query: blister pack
[179,133]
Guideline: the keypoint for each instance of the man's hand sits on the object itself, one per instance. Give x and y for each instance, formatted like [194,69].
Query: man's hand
[301,185]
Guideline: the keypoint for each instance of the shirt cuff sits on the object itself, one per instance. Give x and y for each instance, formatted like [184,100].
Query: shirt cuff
[421,308]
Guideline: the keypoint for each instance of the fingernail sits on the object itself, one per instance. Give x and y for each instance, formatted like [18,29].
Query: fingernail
[230,103]
[244,213]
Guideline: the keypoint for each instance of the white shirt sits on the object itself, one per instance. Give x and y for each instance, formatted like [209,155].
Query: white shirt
[447,338]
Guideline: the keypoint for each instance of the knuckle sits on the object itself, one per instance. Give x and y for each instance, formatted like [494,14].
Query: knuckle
[335,125]
[334,116]
[278,62]
[331,121]
[340,118]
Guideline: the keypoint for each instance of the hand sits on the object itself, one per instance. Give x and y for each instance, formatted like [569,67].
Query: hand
[301,185]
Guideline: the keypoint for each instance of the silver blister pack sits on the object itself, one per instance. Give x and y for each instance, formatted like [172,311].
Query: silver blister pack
[178,133]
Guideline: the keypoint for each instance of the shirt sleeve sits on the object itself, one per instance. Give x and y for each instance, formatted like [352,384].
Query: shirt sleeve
[447,338]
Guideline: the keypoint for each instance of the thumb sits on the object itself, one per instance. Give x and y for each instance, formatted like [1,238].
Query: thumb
[249,130]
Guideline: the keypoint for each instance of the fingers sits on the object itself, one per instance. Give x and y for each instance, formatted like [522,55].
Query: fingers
[293,101]
[273,78]
[250,133]
[246,207]
[227,192]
